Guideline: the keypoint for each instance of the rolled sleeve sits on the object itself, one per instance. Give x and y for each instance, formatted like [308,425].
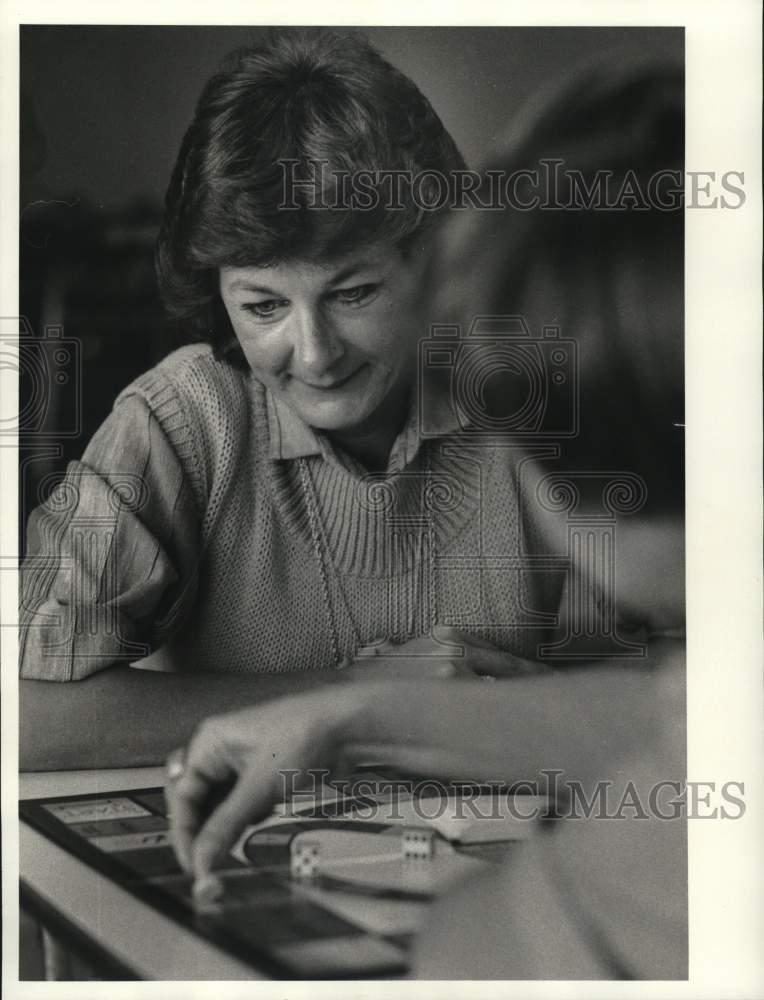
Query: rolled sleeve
[111,563]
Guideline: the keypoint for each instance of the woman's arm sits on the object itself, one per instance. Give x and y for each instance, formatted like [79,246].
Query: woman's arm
[115,546]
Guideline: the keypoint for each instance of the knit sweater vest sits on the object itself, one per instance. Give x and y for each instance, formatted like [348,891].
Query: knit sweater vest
[237,561]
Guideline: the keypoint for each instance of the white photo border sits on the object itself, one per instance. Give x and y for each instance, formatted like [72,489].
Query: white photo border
[724,495]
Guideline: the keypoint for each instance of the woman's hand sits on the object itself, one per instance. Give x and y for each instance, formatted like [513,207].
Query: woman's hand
[447,653]
[232,772]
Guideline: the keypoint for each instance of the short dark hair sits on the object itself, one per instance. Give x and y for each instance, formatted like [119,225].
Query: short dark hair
[304,96]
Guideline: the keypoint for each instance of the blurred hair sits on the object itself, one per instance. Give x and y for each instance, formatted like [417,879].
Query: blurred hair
[612,280]
[305,96]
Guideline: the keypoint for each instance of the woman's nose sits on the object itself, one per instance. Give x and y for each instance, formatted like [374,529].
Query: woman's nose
[317,345]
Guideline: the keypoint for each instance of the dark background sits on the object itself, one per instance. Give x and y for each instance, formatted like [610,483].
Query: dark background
[103,110]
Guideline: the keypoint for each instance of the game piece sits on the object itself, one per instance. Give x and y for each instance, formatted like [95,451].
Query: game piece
[304,860]
[418,844]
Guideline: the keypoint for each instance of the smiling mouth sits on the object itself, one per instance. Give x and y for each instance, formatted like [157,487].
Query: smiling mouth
[331,386]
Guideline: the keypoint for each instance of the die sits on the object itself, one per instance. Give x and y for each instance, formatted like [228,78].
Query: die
[418,844]
[304,858]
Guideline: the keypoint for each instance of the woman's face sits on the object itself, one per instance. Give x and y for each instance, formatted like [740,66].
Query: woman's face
[337,340]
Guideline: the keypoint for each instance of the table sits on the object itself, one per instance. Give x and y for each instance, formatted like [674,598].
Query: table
[86,913]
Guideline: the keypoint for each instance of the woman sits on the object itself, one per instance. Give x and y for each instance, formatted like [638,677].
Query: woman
[597,898]
[261,507]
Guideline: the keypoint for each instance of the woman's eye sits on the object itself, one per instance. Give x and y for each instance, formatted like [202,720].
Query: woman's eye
[263,309]
[355,295]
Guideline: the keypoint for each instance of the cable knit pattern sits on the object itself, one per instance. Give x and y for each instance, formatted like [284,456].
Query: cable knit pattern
[218,563]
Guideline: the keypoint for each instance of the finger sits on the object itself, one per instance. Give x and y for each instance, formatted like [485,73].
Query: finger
[419,668]
[249,799]
[373,648]
[186,797]
[448,634]
[454,636]
[423,645]
[189,795]
[463,669]
[409,668]
[174,769]
[496,663]
[485,659]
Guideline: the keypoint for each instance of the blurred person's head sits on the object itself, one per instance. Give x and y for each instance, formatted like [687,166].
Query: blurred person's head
[611,278]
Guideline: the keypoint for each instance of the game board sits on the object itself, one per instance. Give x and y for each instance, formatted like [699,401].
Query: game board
[335,886]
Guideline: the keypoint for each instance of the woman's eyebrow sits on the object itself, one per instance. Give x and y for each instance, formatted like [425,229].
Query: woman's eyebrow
[242,285]
[359,268]
[346,272]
